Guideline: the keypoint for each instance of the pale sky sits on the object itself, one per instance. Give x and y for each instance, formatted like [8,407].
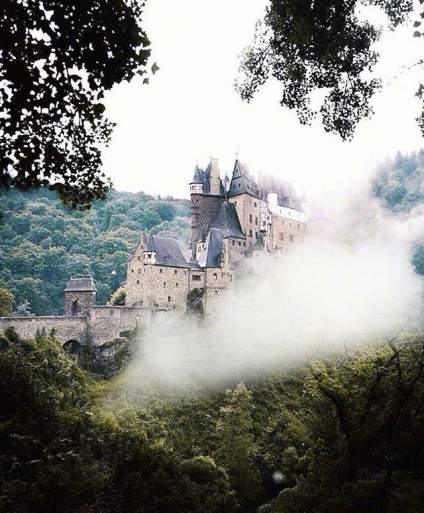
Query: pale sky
[191,111]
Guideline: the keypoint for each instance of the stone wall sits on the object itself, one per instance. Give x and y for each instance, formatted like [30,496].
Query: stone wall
[107,323]
[204,209]
[156,285]
[79,302]
[285,232]
[249,213]
[236,248]
[67,328]
[104,324]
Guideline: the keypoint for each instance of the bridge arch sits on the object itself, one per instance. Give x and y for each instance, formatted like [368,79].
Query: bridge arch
[74,348]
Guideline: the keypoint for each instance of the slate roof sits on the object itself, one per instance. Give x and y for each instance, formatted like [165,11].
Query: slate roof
[242,182]
[203,177]
[167,251]
[81,284]
[213,249]
[228,221]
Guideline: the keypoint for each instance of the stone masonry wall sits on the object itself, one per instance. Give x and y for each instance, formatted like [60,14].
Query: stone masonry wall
[106,323]
[249,213]
[204,209]
[156,285]
[286,232]
[68,328]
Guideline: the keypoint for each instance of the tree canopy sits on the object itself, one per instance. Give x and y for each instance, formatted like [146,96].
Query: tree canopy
[43,243]
[57,58]
[325,46]
[340,435]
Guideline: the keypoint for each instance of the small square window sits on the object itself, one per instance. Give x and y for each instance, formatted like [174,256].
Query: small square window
[160,271]
[169,299]
[164,283]
[175,271]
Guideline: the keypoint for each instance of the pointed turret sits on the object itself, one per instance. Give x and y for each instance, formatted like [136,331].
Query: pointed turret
[242,182]
[197,183]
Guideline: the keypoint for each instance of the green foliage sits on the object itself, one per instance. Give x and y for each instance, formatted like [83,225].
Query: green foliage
[341,436]
[399,185]
[43,243]
[364,416]
[6,302]
[321,46]
[57,60]
[23,309]
[118,297]
[235,442]
[399,182]
[61,453]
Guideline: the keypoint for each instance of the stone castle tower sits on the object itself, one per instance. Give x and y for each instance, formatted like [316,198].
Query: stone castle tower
[231,220]
[80,296]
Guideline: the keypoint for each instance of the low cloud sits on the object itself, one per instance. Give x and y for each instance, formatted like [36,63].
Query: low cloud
[354,286]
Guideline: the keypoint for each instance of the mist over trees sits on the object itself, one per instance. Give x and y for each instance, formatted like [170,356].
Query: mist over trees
[399,185]
[339,435]
[43,243]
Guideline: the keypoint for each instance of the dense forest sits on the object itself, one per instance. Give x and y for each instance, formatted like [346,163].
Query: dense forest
[43,243]
[342,435]
[399,182]
[399,185]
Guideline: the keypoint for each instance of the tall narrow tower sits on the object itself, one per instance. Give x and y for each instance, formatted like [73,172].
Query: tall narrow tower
[215,178]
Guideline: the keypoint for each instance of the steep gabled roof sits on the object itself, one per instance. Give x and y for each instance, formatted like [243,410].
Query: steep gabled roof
[242,182]
[214,246]
[228,221]
[198,175]
[167,251]
[81,284]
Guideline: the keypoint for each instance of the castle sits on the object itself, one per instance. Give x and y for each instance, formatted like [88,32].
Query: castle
[232,220]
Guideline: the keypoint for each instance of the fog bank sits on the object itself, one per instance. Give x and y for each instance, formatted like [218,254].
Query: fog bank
[352,286]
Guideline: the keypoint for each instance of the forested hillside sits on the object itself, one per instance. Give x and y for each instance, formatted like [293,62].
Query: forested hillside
[400,182]
[43,243]
[399,185]
[343,435]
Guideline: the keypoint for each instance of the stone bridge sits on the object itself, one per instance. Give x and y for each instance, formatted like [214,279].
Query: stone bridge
[102,324]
